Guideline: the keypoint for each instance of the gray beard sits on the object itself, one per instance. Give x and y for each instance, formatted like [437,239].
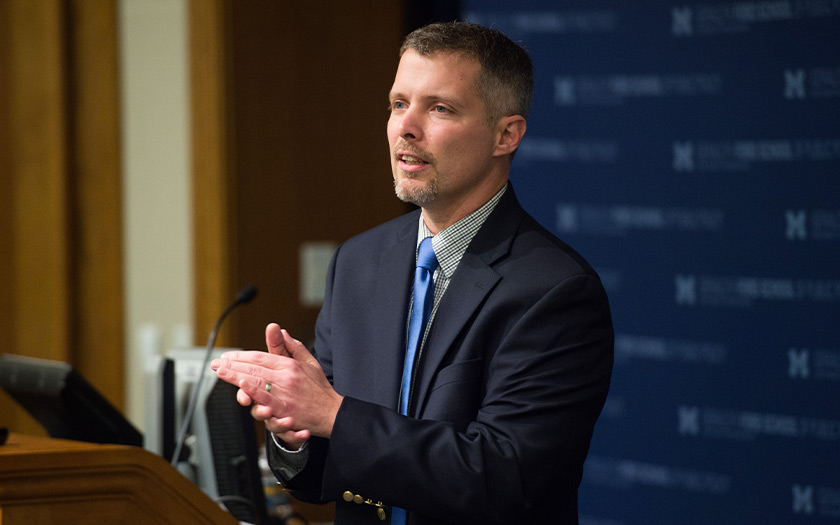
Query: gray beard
[418,197]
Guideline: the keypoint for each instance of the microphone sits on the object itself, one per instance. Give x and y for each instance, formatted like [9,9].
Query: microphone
[245,295]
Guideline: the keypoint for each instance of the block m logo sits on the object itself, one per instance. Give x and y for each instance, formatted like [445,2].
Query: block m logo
[803,499]
[796,225]
[798,363]
[689,420]
[686,289]
[794,84]
[681,21]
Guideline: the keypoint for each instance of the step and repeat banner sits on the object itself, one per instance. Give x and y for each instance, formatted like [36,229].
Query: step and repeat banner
[691,152]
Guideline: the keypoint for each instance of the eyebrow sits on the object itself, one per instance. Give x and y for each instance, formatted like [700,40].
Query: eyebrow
[453,101]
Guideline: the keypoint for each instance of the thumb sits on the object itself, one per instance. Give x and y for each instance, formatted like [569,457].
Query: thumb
[296,349]
[274,340]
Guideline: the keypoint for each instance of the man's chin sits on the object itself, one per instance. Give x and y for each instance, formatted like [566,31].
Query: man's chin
[415,192]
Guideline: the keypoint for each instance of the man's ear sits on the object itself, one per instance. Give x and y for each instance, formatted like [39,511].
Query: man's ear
[509,134]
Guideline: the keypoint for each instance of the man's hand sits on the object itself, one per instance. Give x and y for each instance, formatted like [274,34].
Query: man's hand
[300,402]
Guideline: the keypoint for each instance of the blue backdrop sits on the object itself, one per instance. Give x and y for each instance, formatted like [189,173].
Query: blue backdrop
[691,151]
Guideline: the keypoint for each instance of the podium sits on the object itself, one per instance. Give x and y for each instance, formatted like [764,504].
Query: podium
[54,481]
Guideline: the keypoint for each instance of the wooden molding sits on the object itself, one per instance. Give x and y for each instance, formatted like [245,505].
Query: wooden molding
[58,481]
[96,200]
[212,185]
[61,239]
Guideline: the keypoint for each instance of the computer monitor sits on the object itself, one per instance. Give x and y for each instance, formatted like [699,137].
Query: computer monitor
[220,453]
[63,402]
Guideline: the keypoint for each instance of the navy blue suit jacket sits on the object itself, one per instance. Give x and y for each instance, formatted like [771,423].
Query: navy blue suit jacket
[512,378]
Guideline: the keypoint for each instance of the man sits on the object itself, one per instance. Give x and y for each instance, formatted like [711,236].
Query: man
[491,420]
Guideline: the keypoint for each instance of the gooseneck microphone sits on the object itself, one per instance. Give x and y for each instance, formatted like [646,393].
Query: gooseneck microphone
[245,295]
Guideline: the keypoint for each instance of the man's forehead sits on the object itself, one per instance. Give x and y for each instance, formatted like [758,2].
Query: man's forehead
[452,57]
[449,69]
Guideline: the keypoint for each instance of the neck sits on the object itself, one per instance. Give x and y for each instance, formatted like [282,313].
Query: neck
[438,218]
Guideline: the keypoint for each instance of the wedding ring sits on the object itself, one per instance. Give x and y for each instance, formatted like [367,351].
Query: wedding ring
[267,386]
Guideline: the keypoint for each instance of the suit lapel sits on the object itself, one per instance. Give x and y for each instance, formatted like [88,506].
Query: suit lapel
[472,281]
[389,318]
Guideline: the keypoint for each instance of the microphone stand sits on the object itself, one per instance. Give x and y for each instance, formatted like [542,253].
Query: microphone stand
[244,296]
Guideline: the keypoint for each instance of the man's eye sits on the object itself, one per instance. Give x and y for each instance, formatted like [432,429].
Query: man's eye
[441,109]
[398,105]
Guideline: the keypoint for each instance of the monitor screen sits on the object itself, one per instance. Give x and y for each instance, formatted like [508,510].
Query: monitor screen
[220,453]
[63,402]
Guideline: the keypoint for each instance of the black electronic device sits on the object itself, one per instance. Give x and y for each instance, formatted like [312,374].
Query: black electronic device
[63,402]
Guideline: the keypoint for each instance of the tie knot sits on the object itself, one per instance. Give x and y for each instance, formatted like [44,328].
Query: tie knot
[426,255]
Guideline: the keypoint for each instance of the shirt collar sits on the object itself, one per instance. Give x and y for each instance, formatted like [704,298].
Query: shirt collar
[451,243]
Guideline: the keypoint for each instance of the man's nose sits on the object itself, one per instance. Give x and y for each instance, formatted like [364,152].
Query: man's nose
[411,124]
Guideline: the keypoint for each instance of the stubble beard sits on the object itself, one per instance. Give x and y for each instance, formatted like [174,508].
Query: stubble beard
[417,195]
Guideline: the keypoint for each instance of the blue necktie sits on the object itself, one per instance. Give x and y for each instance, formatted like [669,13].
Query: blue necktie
[424,297]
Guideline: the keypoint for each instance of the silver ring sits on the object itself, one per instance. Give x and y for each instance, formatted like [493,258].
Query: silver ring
[267,386]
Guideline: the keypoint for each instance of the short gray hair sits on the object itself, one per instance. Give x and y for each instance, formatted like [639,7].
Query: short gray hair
[506,81]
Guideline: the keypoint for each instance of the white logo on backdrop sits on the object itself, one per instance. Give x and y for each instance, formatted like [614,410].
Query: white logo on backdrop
[564,91]
[803,499]
[681,21]
[567,218]
[742,155]
[689,420]
[686,289]
[683,156]
[798,363]
[794,84]
[796,221]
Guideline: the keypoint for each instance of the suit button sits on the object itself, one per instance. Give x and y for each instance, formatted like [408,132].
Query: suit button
[358,499]
[348,496]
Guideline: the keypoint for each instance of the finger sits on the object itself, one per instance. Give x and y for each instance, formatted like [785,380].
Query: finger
[294,439]
[254,381]
[243,399]
[296,349]
[280,425]
[274,340]
[228,375]
[253,388]
[256,357]
[261,412]
[283,429]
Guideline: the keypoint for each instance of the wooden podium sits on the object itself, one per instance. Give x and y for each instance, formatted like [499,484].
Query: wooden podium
[45,481]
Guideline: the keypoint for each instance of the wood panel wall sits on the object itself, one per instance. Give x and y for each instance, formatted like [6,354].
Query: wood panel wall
[289,108]
[60,224]
[289,115]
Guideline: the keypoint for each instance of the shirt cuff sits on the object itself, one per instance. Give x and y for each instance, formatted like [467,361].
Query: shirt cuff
[291,461]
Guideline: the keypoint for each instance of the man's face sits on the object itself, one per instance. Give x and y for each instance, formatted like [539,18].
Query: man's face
[441,144]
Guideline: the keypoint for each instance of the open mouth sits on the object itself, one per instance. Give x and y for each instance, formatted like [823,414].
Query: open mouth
[411,160]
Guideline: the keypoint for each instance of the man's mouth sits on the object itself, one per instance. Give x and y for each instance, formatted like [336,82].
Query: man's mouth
[411,160]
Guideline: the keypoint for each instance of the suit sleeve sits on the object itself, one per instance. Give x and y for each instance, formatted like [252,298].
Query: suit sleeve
[306,483]
[544,385]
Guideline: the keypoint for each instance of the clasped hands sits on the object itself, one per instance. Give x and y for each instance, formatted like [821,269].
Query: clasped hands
[300,402]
